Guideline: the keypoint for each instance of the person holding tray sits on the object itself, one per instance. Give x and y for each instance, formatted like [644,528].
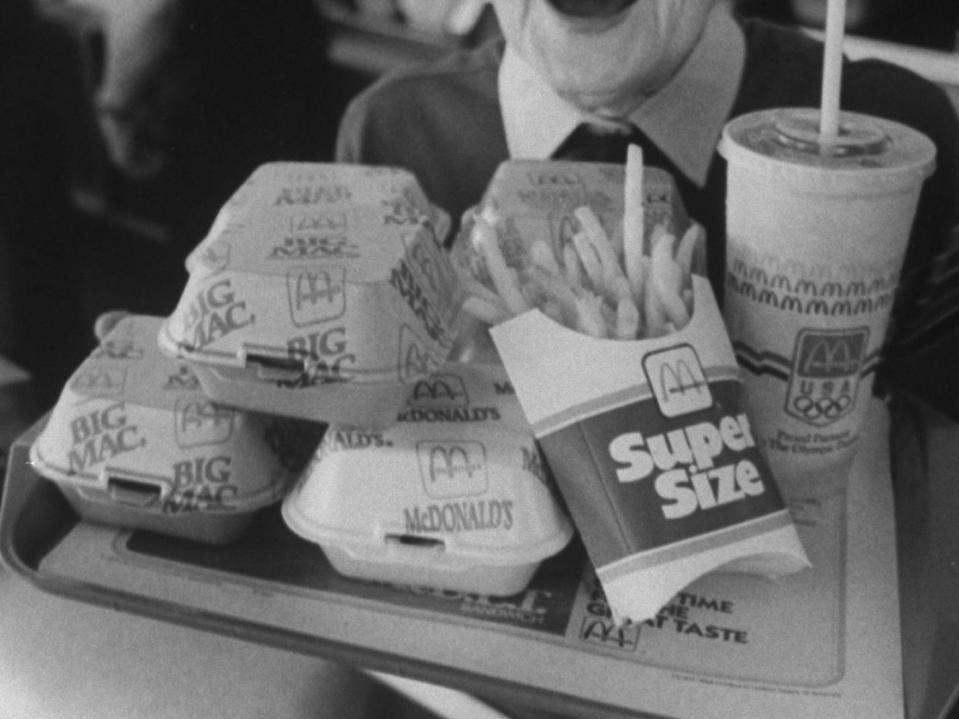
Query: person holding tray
[582,80]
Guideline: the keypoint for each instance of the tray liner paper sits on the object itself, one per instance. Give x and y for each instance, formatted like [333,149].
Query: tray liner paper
[653,453]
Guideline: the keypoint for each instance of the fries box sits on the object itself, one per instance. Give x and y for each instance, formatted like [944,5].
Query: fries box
[322,292]
[454,495]
[653,453]
[133,441]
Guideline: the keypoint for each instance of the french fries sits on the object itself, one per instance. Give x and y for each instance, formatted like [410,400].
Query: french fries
[592,283]
[634,218]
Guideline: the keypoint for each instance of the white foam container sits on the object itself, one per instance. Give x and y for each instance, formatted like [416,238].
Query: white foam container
[453,496]
[321,292]
[134,442]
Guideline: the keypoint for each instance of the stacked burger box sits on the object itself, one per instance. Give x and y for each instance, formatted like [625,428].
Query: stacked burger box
[133,441]
[309,360]
[321,292]
[323,357]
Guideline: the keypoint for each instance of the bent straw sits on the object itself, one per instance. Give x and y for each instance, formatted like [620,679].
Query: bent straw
[832,71]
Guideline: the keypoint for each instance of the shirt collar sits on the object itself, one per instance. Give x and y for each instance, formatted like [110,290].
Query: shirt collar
[684,119]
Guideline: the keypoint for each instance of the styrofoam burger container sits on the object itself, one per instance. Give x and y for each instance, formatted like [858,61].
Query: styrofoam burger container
[322,291]
[454,495]
[133,441]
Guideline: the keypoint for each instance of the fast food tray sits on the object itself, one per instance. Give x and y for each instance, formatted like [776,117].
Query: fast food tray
[517,653]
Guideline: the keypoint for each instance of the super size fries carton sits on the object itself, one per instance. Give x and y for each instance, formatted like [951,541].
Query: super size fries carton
[133,441]
[531,201]
[454,495]
[320,292]
[653,452]
[620,358]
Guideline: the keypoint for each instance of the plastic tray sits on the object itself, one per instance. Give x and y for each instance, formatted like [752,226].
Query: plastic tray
[563,654]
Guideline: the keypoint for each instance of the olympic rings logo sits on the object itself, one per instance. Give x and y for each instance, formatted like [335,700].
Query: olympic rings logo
[827,407]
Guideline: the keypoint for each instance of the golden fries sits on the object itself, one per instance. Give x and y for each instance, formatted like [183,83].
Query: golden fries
[634,218]
[617,283]
[504,279]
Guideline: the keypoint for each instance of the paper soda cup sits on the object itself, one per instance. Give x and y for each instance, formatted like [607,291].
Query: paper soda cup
[653,452]
[816,240]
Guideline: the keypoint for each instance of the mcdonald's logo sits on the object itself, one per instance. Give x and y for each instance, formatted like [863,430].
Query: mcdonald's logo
[431,268]
[306,224]
[183,379]
[607,633]
[198,422]
[118,349]
[99,382]
[316,294]
[215,256]
[439,390]
[830,353]
[414,358]
[824,382]
[555,178]
[677,380]
[452,468]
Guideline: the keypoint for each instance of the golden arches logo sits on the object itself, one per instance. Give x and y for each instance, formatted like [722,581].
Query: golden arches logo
[439,389]
[824,381]
[314,287]
[215,257]
[118,349]
[678,379]
[452,468]
[830,353]
[414,358]
[830,357]
[200,422]
[554,178]
[316,294]
[450,462]
[99,382]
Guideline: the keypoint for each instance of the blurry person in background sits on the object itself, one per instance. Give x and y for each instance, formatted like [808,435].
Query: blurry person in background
[40,89]
[194,94]
[580,78]
[168,109]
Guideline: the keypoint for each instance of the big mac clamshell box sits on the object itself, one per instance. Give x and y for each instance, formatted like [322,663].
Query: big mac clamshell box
[133,441]
[321,291]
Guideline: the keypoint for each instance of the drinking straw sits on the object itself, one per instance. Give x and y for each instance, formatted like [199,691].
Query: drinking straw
[832,70]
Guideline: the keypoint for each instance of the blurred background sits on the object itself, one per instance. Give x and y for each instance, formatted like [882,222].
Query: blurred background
[125,124]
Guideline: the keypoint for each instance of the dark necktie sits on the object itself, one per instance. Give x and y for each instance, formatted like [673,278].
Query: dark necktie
[591,144]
